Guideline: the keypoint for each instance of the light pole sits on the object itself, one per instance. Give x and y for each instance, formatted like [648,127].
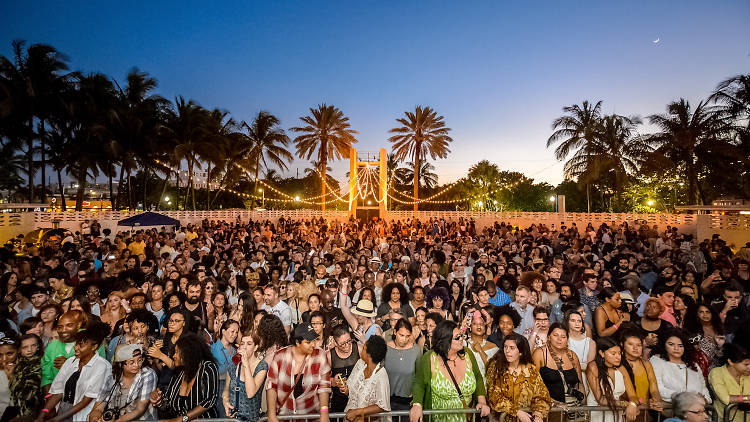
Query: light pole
[553,199]
[263,197]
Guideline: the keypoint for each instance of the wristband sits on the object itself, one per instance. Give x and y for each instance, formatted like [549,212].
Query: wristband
[632,403]
[324,409]
[616,326]
[47,410]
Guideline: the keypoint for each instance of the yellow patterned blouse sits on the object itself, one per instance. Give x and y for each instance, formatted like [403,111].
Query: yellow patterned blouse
[506,394]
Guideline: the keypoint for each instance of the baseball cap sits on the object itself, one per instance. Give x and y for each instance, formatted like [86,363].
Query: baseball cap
[305,331]
[127,351]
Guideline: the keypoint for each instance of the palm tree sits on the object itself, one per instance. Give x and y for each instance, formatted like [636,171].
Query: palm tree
[328,135]
[186,128]
[421,133]
[577,132]
[135,128]
[734,96]
[272,176]
[685,135]
[224,134]
[614,156]
[36,80]
[427,176]
[268,142]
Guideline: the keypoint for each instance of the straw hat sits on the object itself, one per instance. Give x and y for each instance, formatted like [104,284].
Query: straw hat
[364,308]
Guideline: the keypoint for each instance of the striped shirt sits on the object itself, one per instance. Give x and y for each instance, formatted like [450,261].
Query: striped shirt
[204,392]
[140,390]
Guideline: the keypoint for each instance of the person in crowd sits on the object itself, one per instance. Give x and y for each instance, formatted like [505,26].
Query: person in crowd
[608,382]
[537,336]
[400,363]
[639,370]
[113,309]
[731,381]
[58,351]
[193,391]
[524,309]
[25,384]
[608,316]
[675,366]
[688,406]
[299,378]
[242,394]
[581,344]
[514,386]
[77,385]
[272,336]
[395,297]
[483,350]
[653,328]
[361,319]
[506,319]
[368,385]
[559,368]
[137,324]
[436,384]
[344,355]
[431,322]
[275,306]
[439,301]
[126,394]
[703,322]
[318,323]
[223,350]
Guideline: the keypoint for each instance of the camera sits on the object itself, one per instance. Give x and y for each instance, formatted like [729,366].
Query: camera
[110,415]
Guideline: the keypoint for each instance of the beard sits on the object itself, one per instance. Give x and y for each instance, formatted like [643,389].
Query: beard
[193,300]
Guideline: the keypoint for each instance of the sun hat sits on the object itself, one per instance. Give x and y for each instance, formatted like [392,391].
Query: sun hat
[127,351]
[364,308]
[626,297]
[305,331]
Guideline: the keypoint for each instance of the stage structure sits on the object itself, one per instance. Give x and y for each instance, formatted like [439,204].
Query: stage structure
[368,184]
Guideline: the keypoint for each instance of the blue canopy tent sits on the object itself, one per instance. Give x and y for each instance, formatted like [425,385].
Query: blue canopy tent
[149,219]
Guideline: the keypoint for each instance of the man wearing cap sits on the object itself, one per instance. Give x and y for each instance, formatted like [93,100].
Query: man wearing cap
[299,378]
[131,392]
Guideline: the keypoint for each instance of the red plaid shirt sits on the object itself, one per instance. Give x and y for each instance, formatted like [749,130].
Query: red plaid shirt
[315,379]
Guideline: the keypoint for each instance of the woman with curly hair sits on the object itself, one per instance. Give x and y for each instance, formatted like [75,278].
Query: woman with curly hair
[504,321]
[438,301]
[194,389]
[272,336]
[675,367]
[394,298]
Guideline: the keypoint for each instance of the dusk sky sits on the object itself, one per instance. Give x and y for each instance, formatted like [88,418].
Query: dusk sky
[499,72]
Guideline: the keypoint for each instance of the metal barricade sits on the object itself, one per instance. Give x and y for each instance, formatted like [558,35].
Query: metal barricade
[732,410]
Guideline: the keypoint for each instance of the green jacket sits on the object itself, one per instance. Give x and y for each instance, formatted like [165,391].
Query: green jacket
[422,387]
[54,349]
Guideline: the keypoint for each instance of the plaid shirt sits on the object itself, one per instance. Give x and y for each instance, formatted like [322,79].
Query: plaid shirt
[140,390]
[315,379]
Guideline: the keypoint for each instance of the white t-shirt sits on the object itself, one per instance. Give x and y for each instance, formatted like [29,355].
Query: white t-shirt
[281,310]
[92,377]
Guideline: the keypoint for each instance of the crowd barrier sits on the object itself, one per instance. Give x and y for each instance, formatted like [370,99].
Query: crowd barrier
[556,414]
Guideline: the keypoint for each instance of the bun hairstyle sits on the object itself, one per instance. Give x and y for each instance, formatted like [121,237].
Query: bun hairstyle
[95,333]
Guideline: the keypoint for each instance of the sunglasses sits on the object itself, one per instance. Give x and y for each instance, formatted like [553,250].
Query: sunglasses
[5,341]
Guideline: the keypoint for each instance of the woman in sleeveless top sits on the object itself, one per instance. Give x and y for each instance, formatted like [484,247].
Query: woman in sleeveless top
[640,371]
[344,355]
[558,365]
[608,381]
[578,341]
[242,394]
[608,317]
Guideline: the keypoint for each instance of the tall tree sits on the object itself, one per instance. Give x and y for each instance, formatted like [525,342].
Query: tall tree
[685,136]
[427,176]
[36,77]
[421,133]
[268,143]
[577,131]
[185,127]
[326,134]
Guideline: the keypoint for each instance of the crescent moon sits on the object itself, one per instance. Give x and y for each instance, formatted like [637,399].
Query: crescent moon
[656,41]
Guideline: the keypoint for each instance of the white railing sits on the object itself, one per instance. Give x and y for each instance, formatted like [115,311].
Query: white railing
[735,229]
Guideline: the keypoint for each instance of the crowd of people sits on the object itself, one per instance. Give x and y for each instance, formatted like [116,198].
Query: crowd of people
[250,319]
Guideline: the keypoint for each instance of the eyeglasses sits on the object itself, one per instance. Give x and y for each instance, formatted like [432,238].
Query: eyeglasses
[175,321]
[344,344]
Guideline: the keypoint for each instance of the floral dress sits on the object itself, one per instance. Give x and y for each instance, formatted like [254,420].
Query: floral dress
[444,394]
